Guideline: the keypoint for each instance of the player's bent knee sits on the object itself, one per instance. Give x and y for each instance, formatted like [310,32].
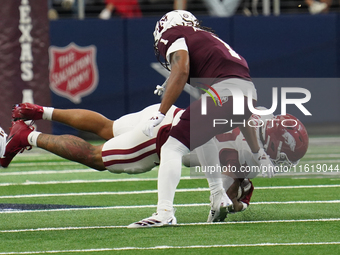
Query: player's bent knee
[172,144]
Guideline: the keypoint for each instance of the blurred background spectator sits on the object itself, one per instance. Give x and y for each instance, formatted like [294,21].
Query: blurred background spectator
[222,8]
[316,7]
[137,8]
[124,8]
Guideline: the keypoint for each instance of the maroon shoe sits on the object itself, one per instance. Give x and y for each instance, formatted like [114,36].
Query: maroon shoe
[17,141]
[27,111]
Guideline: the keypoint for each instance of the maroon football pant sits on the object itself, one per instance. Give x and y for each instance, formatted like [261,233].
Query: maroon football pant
[195,129]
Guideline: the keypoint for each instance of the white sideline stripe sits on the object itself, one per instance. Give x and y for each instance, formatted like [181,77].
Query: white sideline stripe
[300,187]
[154,191]
[154,206]
[171,247]
[34,163]
[180,224]
[99,193]
[312,155]
[86,181]
[27,183]
[323,161]
[47,172]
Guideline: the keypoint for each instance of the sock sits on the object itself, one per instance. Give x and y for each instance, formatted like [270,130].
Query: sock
[47,114]
[169,173]
[32,138]
[209,159]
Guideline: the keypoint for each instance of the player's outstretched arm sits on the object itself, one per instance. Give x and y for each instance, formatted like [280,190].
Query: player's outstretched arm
[178,77]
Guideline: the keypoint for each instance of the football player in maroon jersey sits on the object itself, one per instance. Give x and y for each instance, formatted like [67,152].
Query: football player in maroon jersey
[195,52]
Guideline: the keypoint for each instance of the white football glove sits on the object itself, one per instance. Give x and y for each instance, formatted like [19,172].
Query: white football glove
[160,88]
[264,163]
[154,121]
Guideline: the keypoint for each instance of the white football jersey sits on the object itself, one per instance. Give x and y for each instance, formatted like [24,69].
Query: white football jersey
[235,141]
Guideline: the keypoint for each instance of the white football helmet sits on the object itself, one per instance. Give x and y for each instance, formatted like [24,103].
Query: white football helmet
[3,136]
[171,19]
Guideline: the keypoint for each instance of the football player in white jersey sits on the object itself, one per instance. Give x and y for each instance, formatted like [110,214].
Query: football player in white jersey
[283,137]
[126,150]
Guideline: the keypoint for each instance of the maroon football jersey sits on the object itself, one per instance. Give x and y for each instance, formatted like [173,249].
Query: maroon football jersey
[210,57]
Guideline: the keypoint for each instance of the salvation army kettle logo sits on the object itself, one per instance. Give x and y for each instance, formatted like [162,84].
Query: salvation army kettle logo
[73,71]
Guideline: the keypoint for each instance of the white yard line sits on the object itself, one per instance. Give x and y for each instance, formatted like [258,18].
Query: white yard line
[39,172]
[324,140]
[97,193]
[180,224]
[173,247]
[13,211]
[300,187]
[318,155]
[84,181]
[44,163]
[104,193]
[321,161]
[27,183]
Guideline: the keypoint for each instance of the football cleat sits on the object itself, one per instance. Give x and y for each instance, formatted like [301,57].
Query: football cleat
[17,141]
[156,220]
[27,111]
[219,206]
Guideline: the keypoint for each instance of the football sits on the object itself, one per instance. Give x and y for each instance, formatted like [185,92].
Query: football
[243,189]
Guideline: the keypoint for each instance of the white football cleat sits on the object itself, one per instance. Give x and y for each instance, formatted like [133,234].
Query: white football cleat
[156,220]
[219,206]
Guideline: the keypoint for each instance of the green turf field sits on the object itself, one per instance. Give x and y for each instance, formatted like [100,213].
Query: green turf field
[50,205]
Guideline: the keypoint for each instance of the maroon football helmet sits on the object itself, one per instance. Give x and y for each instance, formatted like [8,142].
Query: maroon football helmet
[285,140]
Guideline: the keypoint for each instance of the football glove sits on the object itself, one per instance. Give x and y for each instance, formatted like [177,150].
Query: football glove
[154,121]
[264,163]
[160,88]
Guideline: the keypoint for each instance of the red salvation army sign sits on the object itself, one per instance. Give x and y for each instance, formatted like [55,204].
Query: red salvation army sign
[73,71]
